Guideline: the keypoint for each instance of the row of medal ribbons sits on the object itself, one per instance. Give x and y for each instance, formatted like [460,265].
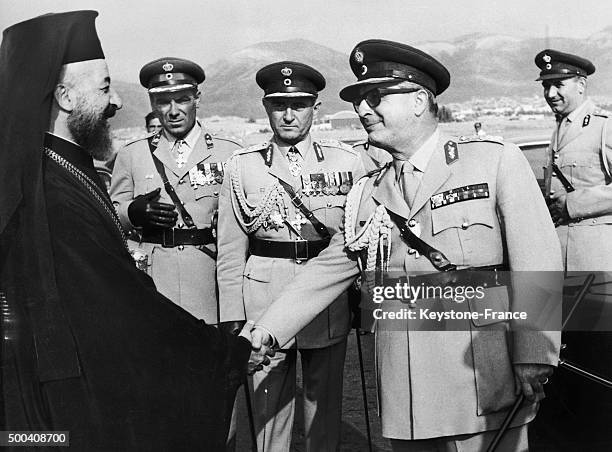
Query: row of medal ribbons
[320,184]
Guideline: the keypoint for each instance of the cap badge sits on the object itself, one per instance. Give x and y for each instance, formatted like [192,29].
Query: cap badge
[286,71]
[287,82]
[364,69]
[169,76]
[358,56]
[168,67]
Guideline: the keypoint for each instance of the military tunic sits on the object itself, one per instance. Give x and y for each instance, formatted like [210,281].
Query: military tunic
[248,284]
[184,274]
[583,152]
[434,384]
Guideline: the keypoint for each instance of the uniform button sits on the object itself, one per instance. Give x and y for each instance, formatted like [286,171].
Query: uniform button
[180,225]
[181,247]
[465,225]
[411,251]
[215,193]
[412,223]
[329,204]
[594,221]
[182,181]
[574,164]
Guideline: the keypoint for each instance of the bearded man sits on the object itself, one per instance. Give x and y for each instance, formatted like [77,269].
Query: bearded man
[89,346]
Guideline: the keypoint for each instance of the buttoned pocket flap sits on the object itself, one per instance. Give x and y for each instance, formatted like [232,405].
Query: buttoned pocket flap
[462,215]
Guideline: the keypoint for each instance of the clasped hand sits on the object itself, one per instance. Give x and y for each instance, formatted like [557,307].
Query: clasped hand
[261,346]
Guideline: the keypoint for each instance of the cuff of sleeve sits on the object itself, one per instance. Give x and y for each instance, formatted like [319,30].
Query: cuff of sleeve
[274,341]
[122,212]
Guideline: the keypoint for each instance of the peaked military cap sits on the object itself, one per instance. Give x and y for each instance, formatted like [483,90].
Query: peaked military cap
[289,79]
[554,64]
[378,61]
[170,74]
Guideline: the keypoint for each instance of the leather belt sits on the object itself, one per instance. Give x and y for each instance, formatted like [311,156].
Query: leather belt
[169,238]
[300,250]
[487,276]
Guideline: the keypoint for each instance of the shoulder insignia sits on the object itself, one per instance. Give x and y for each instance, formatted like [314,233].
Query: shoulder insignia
[209,141]
[451,152]
[145,138]
[318,151]
[586,120]
[254,148]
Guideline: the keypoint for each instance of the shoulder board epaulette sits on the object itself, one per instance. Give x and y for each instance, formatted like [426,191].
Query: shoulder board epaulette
[601,113]
[254,148]
[335,144]
[364,143]
[216,137]
[144,138]
[476,139]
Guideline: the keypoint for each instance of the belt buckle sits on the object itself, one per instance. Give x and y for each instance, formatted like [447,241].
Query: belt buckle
[300,258]
[168,238]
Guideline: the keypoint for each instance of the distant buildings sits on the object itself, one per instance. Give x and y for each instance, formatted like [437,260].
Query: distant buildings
[345,119]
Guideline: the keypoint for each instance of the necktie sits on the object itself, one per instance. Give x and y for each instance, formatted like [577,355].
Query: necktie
[180,153]
[562,126]
[295,164]
[410,183]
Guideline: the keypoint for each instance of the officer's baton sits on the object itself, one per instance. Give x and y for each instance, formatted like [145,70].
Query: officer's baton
[507,421]
[575,368]
[363,390]
[586,286]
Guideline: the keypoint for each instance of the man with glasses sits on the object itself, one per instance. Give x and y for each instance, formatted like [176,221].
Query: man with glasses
[441,203]
[280,203]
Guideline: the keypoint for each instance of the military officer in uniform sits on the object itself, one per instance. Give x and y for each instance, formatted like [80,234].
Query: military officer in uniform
[464,200]
[266,238]
[579,413]
[175,232]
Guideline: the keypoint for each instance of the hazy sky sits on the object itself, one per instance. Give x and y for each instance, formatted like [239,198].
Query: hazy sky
[134,32]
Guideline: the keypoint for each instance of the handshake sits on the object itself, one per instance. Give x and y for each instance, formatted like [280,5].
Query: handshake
[262,343]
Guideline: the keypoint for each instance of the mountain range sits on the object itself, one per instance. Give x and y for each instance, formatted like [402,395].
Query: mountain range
[481,66]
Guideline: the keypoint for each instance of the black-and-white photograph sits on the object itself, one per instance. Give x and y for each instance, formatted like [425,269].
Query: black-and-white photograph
[323,226]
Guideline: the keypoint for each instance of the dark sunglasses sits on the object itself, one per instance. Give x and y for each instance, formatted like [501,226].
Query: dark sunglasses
[374,96]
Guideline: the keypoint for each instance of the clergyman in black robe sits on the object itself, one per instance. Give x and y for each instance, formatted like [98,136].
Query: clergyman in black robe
[89,345]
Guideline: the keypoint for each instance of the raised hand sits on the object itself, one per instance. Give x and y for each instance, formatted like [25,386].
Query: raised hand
[146,211]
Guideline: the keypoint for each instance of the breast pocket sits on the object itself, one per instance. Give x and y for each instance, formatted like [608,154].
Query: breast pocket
[142,186]
[467,233]
[328,209]
[211,191]
[470,217]
[581,167]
